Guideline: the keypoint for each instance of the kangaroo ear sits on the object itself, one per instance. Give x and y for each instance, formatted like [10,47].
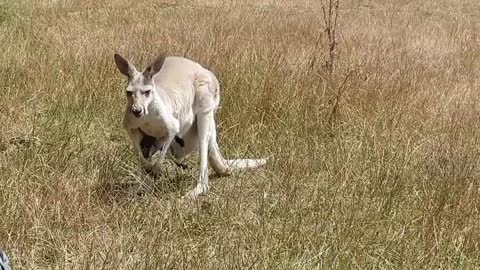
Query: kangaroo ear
[124,66]
[154,67]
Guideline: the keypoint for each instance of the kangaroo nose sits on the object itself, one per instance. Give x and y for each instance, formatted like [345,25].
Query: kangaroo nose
[137,112]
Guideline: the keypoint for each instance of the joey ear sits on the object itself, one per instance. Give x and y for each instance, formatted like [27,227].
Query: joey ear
[124,66]
[154,67]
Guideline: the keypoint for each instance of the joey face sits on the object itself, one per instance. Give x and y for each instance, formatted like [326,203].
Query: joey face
[140,89]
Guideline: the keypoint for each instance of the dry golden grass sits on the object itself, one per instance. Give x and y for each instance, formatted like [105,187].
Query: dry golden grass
[388,179]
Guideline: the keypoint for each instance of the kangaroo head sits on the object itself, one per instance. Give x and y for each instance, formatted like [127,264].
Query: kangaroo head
[141,88]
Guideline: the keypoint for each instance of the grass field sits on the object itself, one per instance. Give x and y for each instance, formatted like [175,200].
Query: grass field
[375,165]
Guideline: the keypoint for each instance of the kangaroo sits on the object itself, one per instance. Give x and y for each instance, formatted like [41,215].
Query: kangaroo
[170,110]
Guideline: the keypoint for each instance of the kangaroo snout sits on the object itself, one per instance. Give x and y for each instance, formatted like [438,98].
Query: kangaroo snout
[137,111]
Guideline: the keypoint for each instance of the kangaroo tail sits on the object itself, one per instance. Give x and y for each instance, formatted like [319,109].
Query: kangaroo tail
[226,167]
[245,163]
[223,166]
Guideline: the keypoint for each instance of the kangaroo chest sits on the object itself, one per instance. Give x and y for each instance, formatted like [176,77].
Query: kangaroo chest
[153,126]
[156,122]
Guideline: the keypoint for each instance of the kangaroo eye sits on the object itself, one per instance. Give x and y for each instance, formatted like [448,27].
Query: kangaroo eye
[147,92]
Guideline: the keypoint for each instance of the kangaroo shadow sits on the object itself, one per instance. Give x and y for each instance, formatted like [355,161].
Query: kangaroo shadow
[116,186]
[143,185]
[139,186]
